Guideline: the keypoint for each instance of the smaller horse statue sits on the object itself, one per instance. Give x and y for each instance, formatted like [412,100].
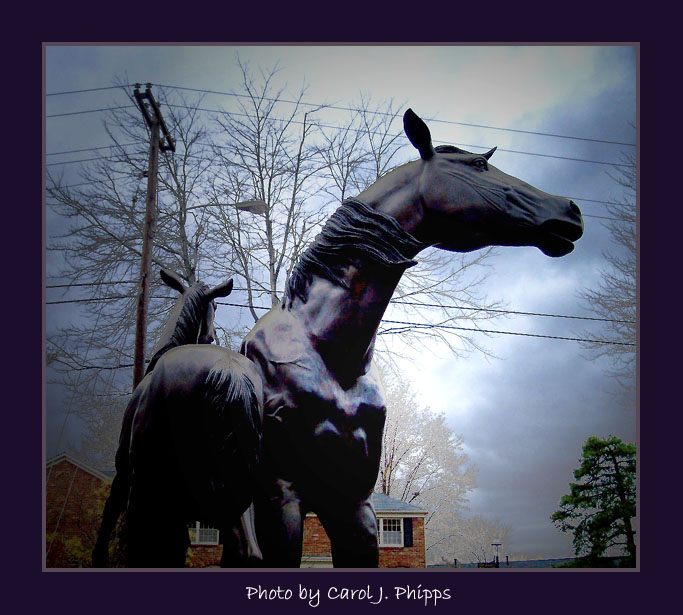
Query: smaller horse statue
[189,445]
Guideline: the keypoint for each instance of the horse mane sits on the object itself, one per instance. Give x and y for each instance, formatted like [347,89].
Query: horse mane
[184,322]
[450,149]
[355,234]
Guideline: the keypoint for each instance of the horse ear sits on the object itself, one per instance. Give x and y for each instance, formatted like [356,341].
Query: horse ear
[173,280]
[418,134]
[222,290]
[488,154]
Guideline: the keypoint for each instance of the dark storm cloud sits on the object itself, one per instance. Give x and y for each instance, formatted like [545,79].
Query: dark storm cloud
[535,410]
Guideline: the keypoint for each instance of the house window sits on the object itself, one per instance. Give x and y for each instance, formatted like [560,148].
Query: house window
[202,534]
[391,532]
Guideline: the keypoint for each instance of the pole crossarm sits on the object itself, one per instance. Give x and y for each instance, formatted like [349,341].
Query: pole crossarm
[167,143]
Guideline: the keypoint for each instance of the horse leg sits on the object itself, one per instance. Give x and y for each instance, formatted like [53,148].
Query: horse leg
[118,494]
[155,544]
[112,509]
[280,526]
[240,547]
[155,534]
[352,530]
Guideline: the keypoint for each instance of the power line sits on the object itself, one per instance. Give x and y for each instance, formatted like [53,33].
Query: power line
[85,111]
[552,337]
[89,149]
[342,108]
[510,151]
[459,307]
[395,301]
[122,176]
[72,284]
[500,149]
[111,87]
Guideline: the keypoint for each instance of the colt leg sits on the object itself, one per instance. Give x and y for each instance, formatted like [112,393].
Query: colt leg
[352,530]
[280,526]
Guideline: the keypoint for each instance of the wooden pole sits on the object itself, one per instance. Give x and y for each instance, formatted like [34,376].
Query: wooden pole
[150,111]
[146,262]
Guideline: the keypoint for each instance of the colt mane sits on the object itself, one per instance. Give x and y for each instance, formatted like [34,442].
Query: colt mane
[354,235]
[184,328]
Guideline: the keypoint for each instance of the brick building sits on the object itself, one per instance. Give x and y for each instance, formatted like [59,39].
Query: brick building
[401,536]
[74,498]
[75,495]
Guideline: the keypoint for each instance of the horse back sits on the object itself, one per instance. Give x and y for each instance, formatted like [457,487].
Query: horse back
[196,432]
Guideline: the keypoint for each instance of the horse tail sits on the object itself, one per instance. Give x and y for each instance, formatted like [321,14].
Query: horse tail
[231,394]
[118,495]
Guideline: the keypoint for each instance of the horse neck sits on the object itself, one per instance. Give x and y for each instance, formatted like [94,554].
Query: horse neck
[342,314]
[398,195]
[171,335]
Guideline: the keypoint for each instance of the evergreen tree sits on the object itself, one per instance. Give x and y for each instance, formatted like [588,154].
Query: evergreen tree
[601,504]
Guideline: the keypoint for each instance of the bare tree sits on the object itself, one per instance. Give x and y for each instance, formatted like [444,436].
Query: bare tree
[264,152]
[101,430]
[271,147]
[361,150]
[99,252]
[443,290]
[615,296]
[469,540]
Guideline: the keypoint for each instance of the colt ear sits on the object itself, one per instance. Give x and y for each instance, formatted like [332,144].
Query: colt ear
[222,290]
[173,280]
[418,134]
[488,154]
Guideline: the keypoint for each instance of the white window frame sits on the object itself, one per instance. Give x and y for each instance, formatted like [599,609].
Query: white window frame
[202,534]
[382,531]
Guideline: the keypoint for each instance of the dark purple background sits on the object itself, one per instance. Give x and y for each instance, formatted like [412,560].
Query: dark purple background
[224,592]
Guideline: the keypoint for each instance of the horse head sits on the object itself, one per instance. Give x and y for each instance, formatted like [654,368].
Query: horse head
[468,204]
[195,308]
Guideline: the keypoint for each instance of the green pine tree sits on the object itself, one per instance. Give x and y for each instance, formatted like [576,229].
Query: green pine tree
[601,504]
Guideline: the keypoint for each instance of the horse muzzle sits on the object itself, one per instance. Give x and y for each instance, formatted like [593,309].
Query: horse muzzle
[557,235]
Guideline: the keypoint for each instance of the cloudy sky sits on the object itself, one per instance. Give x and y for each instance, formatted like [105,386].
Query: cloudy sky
[525,414]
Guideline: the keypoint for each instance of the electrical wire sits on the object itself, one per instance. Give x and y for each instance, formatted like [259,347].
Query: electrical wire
[423,325]
[500,149]
[341,108]
[395,301]
[111,87]
[412,325]
[573,198]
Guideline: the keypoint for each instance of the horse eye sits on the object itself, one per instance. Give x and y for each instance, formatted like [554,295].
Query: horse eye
[480,163]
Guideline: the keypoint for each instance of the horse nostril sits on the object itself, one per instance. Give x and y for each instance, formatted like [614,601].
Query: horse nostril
[574,208]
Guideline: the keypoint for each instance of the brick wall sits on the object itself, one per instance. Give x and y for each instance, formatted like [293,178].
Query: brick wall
[406,557]
[82,496]
[203,556]
[73,508]
[317,544]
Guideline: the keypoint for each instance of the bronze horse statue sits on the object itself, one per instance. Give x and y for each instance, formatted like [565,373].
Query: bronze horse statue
[323,408]
[189,444]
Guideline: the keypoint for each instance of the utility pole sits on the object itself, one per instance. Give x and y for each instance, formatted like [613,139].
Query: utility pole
[150,111]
